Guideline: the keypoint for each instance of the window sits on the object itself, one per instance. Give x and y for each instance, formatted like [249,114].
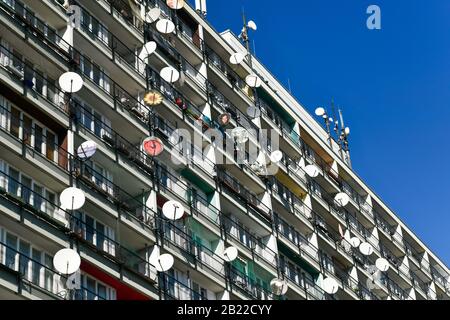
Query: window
[93,121]
[24,127]
[199,292]
[4,114]
[26,189]
[2,176]
[50,146]
[10,251]
[15,122]
[95,232]
[31,192]
[36,267]
[93,289]
[95,73]
[13,182]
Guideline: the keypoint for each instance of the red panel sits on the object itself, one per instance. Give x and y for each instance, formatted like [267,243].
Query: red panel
[124,292]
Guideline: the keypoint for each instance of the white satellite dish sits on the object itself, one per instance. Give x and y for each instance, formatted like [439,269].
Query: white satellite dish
[165,26]
[230,254]
[66,261]
[240,134]
[152,15]
[147,50]
[173,210]
[70,82]
[253,81]
[258,168]
[312,170]
[276,156]
[170,74]
[252,25]
[355,242]
[237,58]
[347,131]
[341,199]
[253,112]
[382,264]
[279,287]
[373,282]
[366,248]
[86,150]
[330,286]
[164,262]
[320,111]
[175,4]
[72,198]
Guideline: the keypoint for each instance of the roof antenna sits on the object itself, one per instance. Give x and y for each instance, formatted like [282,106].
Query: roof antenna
[289,85]
[343,140]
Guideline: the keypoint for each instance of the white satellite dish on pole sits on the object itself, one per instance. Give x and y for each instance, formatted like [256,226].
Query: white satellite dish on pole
[66,261]
[279,286]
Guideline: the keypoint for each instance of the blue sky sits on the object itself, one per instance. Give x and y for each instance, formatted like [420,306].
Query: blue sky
[393,85]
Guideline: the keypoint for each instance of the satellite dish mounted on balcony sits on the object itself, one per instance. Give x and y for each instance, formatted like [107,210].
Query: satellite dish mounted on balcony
[153,146]
[67,261]
[72,198]
[224,119]
[341,199]
[86,150]
[312,170]
[330,286]
[355,242]
[170,74]
[382,264]
[173,210]
[240,134]
[165,26]
[237,58]
[164,262]
[153,98]
[279,286]
[152,15]
[230,254]
[366,248]
[148,49]
[253,112]
[276,156]
[70,82]
[253,81]
[175,4]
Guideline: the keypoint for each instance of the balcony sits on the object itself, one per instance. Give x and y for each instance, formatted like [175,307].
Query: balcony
[38,89]
[251,245]
[245,285]
[172,289]
[341,274]
[178,240]
[296,241]
[21,142]
[243,196]
[54,216]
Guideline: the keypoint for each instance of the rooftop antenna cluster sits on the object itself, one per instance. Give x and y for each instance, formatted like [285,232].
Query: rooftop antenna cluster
[336,126]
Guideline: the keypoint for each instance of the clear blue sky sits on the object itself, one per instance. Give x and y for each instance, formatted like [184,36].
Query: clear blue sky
[393,85]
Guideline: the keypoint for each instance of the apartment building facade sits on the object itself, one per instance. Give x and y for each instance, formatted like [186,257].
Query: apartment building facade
[284,226]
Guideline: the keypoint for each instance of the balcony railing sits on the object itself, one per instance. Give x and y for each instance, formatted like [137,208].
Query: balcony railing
[172,289]
[242,194]
[36,143]
[289,233]
[33,273]
[52,213]
[176,237]
[191,153]
[245,284]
